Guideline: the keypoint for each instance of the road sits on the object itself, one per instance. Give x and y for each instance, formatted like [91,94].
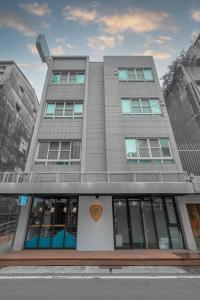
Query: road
[86,286]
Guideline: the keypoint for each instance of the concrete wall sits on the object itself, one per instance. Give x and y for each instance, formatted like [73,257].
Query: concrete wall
[184,218]
[63,128]
[95,158]
[95,235]
[119,126]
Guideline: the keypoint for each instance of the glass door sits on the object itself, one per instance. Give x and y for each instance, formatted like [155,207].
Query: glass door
[136,222]
[148,223]
[121,228]
[52,223]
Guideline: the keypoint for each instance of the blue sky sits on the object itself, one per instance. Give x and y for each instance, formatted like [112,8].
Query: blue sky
[96,28]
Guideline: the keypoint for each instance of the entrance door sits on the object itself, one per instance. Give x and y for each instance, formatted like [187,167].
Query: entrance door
[146,223]
[194,215]
[52,223]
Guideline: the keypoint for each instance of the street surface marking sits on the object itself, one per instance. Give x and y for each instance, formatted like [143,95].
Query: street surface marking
[101,277]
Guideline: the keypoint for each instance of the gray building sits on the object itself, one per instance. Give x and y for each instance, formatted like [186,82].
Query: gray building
[18,110]
[103,170]
[182,97]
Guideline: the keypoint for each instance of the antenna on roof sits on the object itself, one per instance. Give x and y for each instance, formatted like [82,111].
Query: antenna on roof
[43,48]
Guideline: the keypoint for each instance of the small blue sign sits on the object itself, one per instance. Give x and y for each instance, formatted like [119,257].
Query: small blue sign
[23,200]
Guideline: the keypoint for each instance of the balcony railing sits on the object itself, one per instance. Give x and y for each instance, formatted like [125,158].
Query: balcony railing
[57,177]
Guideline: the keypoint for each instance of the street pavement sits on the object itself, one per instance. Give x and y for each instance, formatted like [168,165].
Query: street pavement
[86,283]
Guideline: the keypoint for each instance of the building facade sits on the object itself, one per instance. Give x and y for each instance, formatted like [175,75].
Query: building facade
[182,98]
[19,106]
[103,170]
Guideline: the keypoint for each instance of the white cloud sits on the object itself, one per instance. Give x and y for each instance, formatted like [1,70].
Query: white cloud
[65,44]
[58,50]
[135,20]
[195,14]
[78,14]
[104,41]
[160,40]
[36,9]
[12,20]
[45,25]
[159,55]
[32,48]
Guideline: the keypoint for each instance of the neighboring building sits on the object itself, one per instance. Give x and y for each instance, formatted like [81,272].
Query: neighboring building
[182,98]
[103,170]
[18,110]
[19,106]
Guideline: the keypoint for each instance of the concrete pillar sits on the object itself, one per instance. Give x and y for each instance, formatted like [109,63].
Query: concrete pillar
[91,235]
[20,234]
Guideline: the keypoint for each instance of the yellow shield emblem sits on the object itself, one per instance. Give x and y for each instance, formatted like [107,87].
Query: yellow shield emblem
[96,211]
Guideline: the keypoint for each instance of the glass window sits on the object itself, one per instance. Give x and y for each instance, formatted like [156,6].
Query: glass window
[136,225]
[143,148]
[176,237]
[69,109]
[131,148]
[78,108]
[75,150]
[43,149]
[165,147]
[171,211]
[59,152]
[140,74]
[56,78]
[161,224]
[136,109]
[64,78]
[148,74]
[122,74]
[155,107]
[50,109]
[59,109]
[131,75]
[121,224]
[80,78]
[126,106]
[53,150]
[72,78]
[149,225]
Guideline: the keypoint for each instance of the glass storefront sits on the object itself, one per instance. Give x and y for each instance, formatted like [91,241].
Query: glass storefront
[146,223]
[52,223]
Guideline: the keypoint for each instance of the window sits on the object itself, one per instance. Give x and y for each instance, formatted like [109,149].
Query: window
[21,89]
[152,150]
[77,77]
[2,67]
[58,153]
[135,74]
[23,146]
[140,106]
[198,83]
[64,110]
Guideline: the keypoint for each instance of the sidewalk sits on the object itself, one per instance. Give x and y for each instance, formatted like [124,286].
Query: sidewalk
[100,258]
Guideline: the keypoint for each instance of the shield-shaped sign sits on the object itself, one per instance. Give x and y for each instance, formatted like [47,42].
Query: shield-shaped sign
[96,211]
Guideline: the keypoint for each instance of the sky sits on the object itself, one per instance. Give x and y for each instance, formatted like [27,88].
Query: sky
[96,28]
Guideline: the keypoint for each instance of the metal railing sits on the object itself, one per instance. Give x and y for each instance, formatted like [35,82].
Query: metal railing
[7,232]
[61,177]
